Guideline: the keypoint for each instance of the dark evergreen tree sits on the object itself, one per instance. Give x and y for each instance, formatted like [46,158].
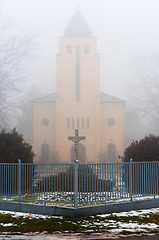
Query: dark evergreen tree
[144,175]
[13,147]
[144,150]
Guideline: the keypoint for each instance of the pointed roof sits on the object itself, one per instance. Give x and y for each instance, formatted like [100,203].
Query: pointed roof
[78,27]
[46,99]
[106,98]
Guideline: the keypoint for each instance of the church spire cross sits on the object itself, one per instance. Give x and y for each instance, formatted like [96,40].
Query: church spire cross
[77,5]
[76,139]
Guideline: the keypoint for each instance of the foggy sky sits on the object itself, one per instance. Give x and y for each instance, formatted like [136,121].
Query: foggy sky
[122,28]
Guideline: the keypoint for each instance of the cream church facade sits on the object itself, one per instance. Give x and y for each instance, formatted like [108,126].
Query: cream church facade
[78,104]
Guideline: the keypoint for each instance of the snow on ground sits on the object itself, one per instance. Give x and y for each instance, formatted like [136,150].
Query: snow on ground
[21,214]
[118,227]
[133,213]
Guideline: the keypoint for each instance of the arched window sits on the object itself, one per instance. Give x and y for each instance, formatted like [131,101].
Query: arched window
[111,152]
[69,49]
[44,152]
[86,49]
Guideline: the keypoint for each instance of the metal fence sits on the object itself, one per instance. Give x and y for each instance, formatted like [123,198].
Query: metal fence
[78,183]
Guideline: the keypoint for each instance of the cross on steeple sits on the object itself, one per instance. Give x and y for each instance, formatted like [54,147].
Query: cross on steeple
[77,5]
[76,139]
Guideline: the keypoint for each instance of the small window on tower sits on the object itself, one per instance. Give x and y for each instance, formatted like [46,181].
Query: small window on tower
[86,49]
[68,123]
[69,49]
[88,123]
[83,123]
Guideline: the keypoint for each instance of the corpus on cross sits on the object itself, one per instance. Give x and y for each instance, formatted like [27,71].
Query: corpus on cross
[76,139]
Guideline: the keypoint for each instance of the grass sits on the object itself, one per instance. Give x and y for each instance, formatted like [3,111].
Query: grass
[96,224]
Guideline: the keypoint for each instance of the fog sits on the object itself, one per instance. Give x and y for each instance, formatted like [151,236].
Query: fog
[124,29]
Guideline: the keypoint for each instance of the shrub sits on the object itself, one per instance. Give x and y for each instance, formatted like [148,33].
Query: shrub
[64,181]
[12,148]
[144,176]
[144,150]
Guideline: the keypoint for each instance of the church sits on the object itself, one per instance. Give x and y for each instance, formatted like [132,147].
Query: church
[78,104]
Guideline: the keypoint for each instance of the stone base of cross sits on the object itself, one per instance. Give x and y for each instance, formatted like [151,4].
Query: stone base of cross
[76,139]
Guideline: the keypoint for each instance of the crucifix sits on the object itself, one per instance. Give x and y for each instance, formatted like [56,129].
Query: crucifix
[76,139]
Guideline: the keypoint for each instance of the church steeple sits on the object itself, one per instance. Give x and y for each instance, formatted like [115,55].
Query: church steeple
[78,27]
[78,104]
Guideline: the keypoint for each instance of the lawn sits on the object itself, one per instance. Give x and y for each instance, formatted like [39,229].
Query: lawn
[143,221]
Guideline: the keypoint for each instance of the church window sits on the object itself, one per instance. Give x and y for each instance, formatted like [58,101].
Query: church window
[45,122]
[88,123]
[69,49]
[73,123]
[86,49]
[78,123]
[111,121]
[83,123]
[68,123]
[77,73]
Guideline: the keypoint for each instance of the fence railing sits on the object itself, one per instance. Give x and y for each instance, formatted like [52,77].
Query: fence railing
[78,183]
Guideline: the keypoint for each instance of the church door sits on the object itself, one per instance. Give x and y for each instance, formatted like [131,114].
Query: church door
[81,153]
[44,153]
[111,152]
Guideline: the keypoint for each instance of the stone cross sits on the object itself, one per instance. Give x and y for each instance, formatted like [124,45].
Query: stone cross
[76,139]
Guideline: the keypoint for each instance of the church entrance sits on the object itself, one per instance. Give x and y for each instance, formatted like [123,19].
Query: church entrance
[44,153]
[111,152]
[81,153]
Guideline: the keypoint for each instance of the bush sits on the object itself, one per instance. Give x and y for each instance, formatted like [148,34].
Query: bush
[144,176]
[144,150]
[12,148]
[64,181]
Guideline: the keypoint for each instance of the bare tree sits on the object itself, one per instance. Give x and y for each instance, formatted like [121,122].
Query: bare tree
[14,50]
[134,128]
[144,88]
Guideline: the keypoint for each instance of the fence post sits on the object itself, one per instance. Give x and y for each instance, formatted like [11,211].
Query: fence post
[76,184]
[19,180]
[130,179]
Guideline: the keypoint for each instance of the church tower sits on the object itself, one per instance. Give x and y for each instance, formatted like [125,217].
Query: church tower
[77,90]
